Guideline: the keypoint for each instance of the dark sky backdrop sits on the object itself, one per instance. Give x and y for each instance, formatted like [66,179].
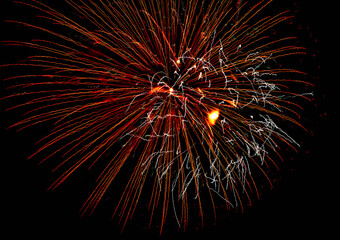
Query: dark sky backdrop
[291,208]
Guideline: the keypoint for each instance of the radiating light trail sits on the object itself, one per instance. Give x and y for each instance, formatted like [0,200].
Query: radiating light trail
[192,96]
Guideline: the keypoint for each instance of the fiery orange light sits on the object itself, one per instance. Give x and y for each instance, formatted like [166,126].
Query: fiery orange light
[232,103]
[213,116]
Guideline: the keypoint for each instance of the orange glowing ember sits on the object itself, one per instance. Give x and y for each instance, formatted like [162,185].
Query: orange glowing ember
[213,116]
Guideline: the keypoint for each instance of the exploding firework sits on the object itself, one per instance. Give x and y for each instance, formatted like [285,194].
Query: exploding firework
[190,95]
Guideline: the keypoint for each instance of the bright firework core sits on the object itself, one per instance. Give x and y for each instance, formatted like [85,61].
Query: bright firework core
[213,116]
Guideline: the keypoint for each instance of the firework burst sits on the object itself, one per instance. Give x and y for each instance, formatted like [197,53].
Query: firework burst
[189,94]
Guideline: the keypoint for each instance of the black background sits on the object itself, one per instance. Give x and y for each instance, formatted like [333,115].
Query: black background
[292,208]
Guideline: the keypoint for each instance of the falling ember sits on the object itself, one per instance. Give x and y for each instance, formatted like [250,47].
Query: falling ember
[213,116]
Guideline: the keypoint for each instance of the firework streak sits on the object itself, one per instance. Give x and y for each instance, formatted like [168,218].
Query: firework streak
[190,94]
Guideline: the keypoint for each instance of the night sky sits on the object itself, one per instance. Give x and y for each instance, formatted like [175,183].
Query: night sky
[290,209]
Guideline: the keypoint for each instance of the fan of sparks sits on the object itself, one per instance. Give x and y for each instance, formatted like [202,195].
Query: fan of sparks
[188,94]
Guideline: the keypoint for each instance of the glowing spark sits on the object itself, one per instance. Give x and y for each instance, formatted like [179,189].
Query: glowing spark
[232,103]
[213,116]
